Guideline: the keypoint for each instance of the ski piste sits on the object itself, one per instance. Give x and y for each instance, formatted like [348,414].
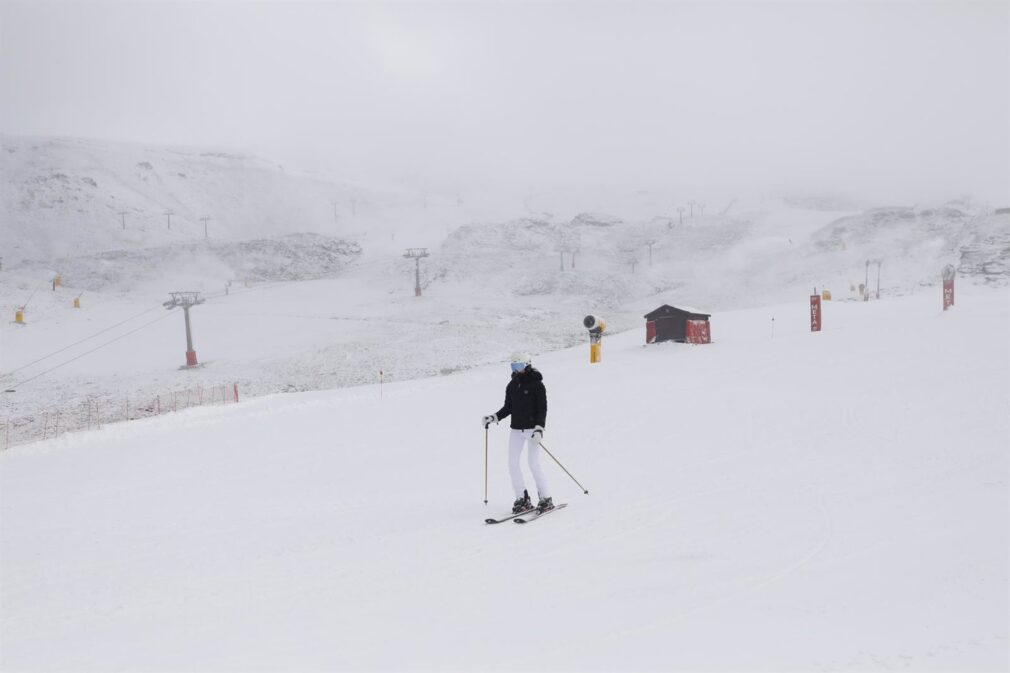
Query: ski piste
[510,517]
[534,515]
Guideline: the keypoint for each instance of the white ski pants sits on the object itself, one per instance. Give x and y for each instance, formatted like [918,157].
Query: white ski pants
[518,439]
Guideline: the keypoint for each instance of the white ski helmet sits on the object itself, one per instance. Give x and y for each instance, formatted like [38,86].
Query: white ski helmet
[524,358]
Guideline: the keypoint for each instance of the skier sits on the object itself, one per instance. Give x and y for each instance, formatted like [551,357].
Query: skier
[526,402]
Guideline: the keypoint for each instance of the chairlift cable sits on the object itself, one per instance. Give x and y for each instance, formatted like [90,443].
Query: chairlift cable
[78,357]
[46,357]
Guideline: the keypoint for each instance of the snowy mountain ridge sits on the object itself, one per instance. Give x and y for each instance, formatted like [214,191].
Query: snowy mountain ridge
[70,196]
[210,264]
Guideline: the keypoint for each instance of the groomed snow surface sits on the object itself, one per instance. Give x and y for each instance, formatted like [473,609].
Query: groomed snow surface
[832,501]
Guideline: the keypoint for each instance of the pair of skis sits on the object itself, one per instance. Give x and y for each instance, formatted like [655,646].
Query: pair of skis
[527,516]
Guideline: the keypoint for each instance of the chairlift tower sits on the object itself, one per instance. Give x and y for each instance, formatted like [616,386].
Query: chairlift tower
[186,300]
[416,254]
[650,242]
[570,242]
[571,248]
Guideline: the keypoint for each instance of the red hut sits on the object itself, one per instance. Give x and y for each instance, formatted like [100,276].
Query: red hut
[669,323]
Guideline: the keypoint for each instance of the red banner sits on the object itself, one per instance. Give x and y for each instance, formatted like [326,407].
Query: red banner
[815,313]
[949,272]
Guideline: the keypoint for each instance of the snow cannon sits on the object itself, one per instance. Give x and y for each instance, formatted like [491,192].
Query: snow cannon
[595,325]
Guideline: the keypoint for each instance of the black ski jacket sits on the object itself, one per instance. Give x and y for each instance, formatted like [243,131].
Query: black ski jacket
[525,400]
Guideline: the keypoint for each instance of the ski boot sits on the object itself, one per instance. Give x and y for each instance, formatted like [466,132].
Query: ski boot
[545,505]
[523,504]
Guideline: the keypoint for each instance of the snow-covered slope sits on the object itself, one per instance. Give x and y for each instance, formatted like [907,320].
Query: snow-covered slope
[72,196]
[987,252]
[748,254]
[62,197]
[203,265]
[831,501]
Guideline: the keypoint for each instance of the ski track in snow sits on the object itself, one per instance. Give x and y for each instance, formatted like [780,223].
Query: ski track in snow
[805,515]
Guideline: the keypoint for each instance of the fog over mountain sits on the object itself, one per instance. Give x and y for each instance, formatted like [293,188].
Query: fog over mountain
[891,102]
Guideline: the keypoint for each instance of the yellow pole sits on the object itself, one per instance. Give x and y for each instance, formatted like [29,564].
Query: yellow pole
[595,327]
[19,317]
[77,302]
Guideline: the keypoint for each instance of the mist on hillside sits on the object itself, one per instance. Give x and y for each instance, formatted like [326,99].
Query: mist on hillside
[891,103]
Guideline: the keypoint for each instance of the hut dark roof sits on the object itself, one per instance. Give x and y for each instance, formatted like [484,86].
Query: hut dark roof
[666,310]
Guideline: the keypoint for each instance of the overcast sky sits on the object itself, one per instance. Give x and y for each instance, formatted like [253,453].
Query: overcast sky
[892,100]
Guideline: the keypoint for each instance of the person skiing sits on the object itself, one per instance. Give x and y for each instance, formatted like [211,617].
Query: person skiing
[526,402]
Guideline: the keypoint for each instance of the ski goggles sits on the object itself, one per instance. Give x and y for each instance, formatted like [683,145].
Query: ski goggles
[518,366]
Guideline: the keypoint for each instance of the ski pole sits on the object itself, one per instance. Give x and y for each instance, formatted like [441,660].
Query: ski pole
[563,468]
[485,464]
